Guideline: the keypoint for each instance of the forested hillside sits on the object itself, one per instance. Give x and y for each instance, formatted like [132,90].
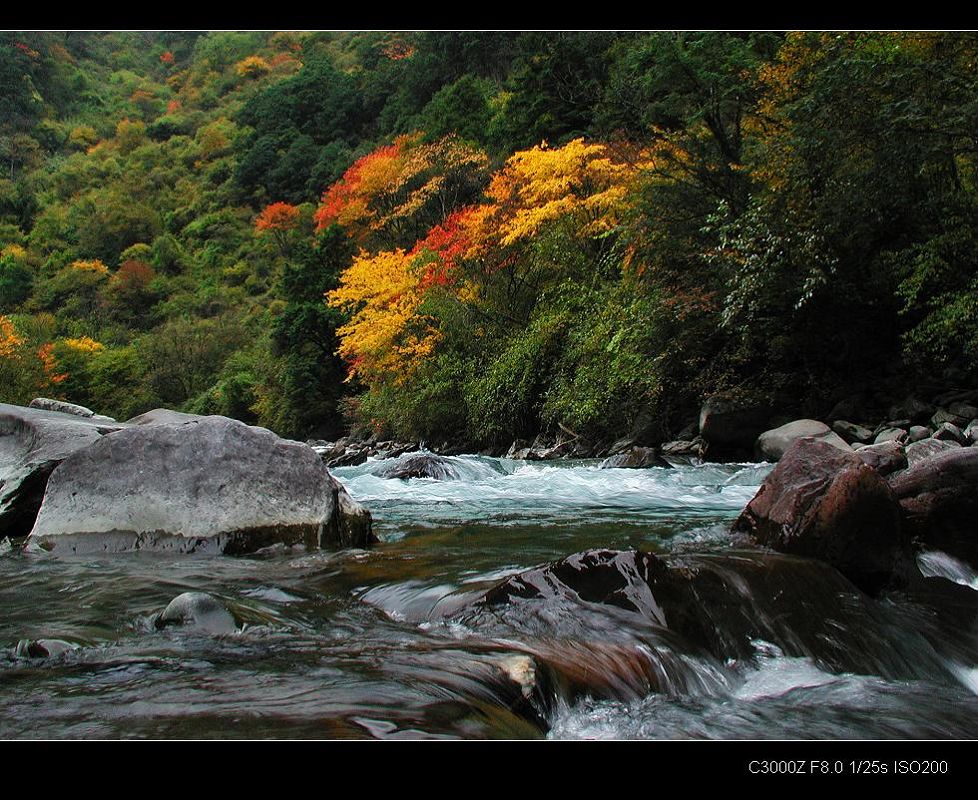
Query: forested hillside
[472,237]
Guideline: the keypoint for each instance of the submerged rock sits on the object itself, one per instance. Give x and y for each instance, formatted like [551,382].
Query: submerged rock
[197,610]
[33,442]
[824,503]
[210,485]
[635,458]
[420,465]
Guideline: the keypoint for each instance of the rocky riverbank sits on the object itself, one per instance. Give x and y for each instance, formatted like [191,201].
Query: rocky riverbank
[727,429]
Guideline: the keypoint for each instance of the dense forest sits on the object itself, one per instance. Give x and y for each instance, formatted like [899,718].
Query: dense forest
[473,237]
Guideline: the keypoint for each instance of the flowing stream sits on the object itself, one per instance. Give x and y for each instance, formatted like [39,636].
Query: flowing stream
[381,644]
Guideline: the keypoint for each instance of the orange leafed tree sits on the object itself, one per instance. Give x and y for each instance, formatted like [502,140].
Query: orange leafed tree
[277,217]
[278,220]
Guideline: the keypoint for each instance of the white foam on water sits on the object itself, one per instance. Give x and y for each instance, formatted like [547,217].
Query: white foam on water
[935,563]
[491,489]
[968,676]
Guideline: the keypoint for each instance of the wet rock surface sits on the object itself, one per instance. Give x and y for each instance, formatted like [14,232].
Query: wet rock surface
[635,458]
[714,606]
[199,611]
[824,503]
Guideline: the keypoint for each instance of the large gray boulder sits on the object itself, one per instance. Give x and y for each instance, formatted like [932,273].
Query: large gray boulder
[773,444]
[33,442]
[209,485]
[822,502]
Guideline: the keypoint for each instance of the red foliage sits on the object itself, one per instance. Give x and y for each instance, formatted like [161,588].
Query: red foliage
[46,355]
[342,194]
[172,106]
[133,275]
[450,241]
[167,57]
[277,217]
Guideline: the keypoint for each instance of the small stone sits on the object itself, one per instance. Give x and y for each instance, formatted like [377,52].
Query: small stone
[949,433]
[941,416]
[890,435]
[918,433]
[852,432]
[926,448]
[885,458]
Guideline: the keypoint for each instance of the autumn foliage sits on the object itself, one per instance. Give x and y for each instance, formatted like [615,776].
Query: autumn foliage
[392,195]
[387,336]
[277,217]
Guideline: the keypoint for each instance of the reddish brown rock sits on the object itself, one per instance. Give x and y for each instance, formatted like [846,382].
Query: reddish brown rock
[939,498]
[885,458]
[825,503]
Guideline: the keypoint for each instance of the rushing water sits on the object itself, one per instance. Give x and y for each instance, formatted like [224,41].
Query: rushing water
[359,644]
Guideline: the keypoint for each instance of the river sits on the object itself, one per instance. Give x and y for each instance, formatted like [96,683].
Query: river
[369,644]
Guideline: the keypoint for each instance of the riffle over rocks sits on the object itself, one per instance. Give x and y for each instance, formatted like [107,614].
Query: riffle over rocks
[200,484]
[577,617]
